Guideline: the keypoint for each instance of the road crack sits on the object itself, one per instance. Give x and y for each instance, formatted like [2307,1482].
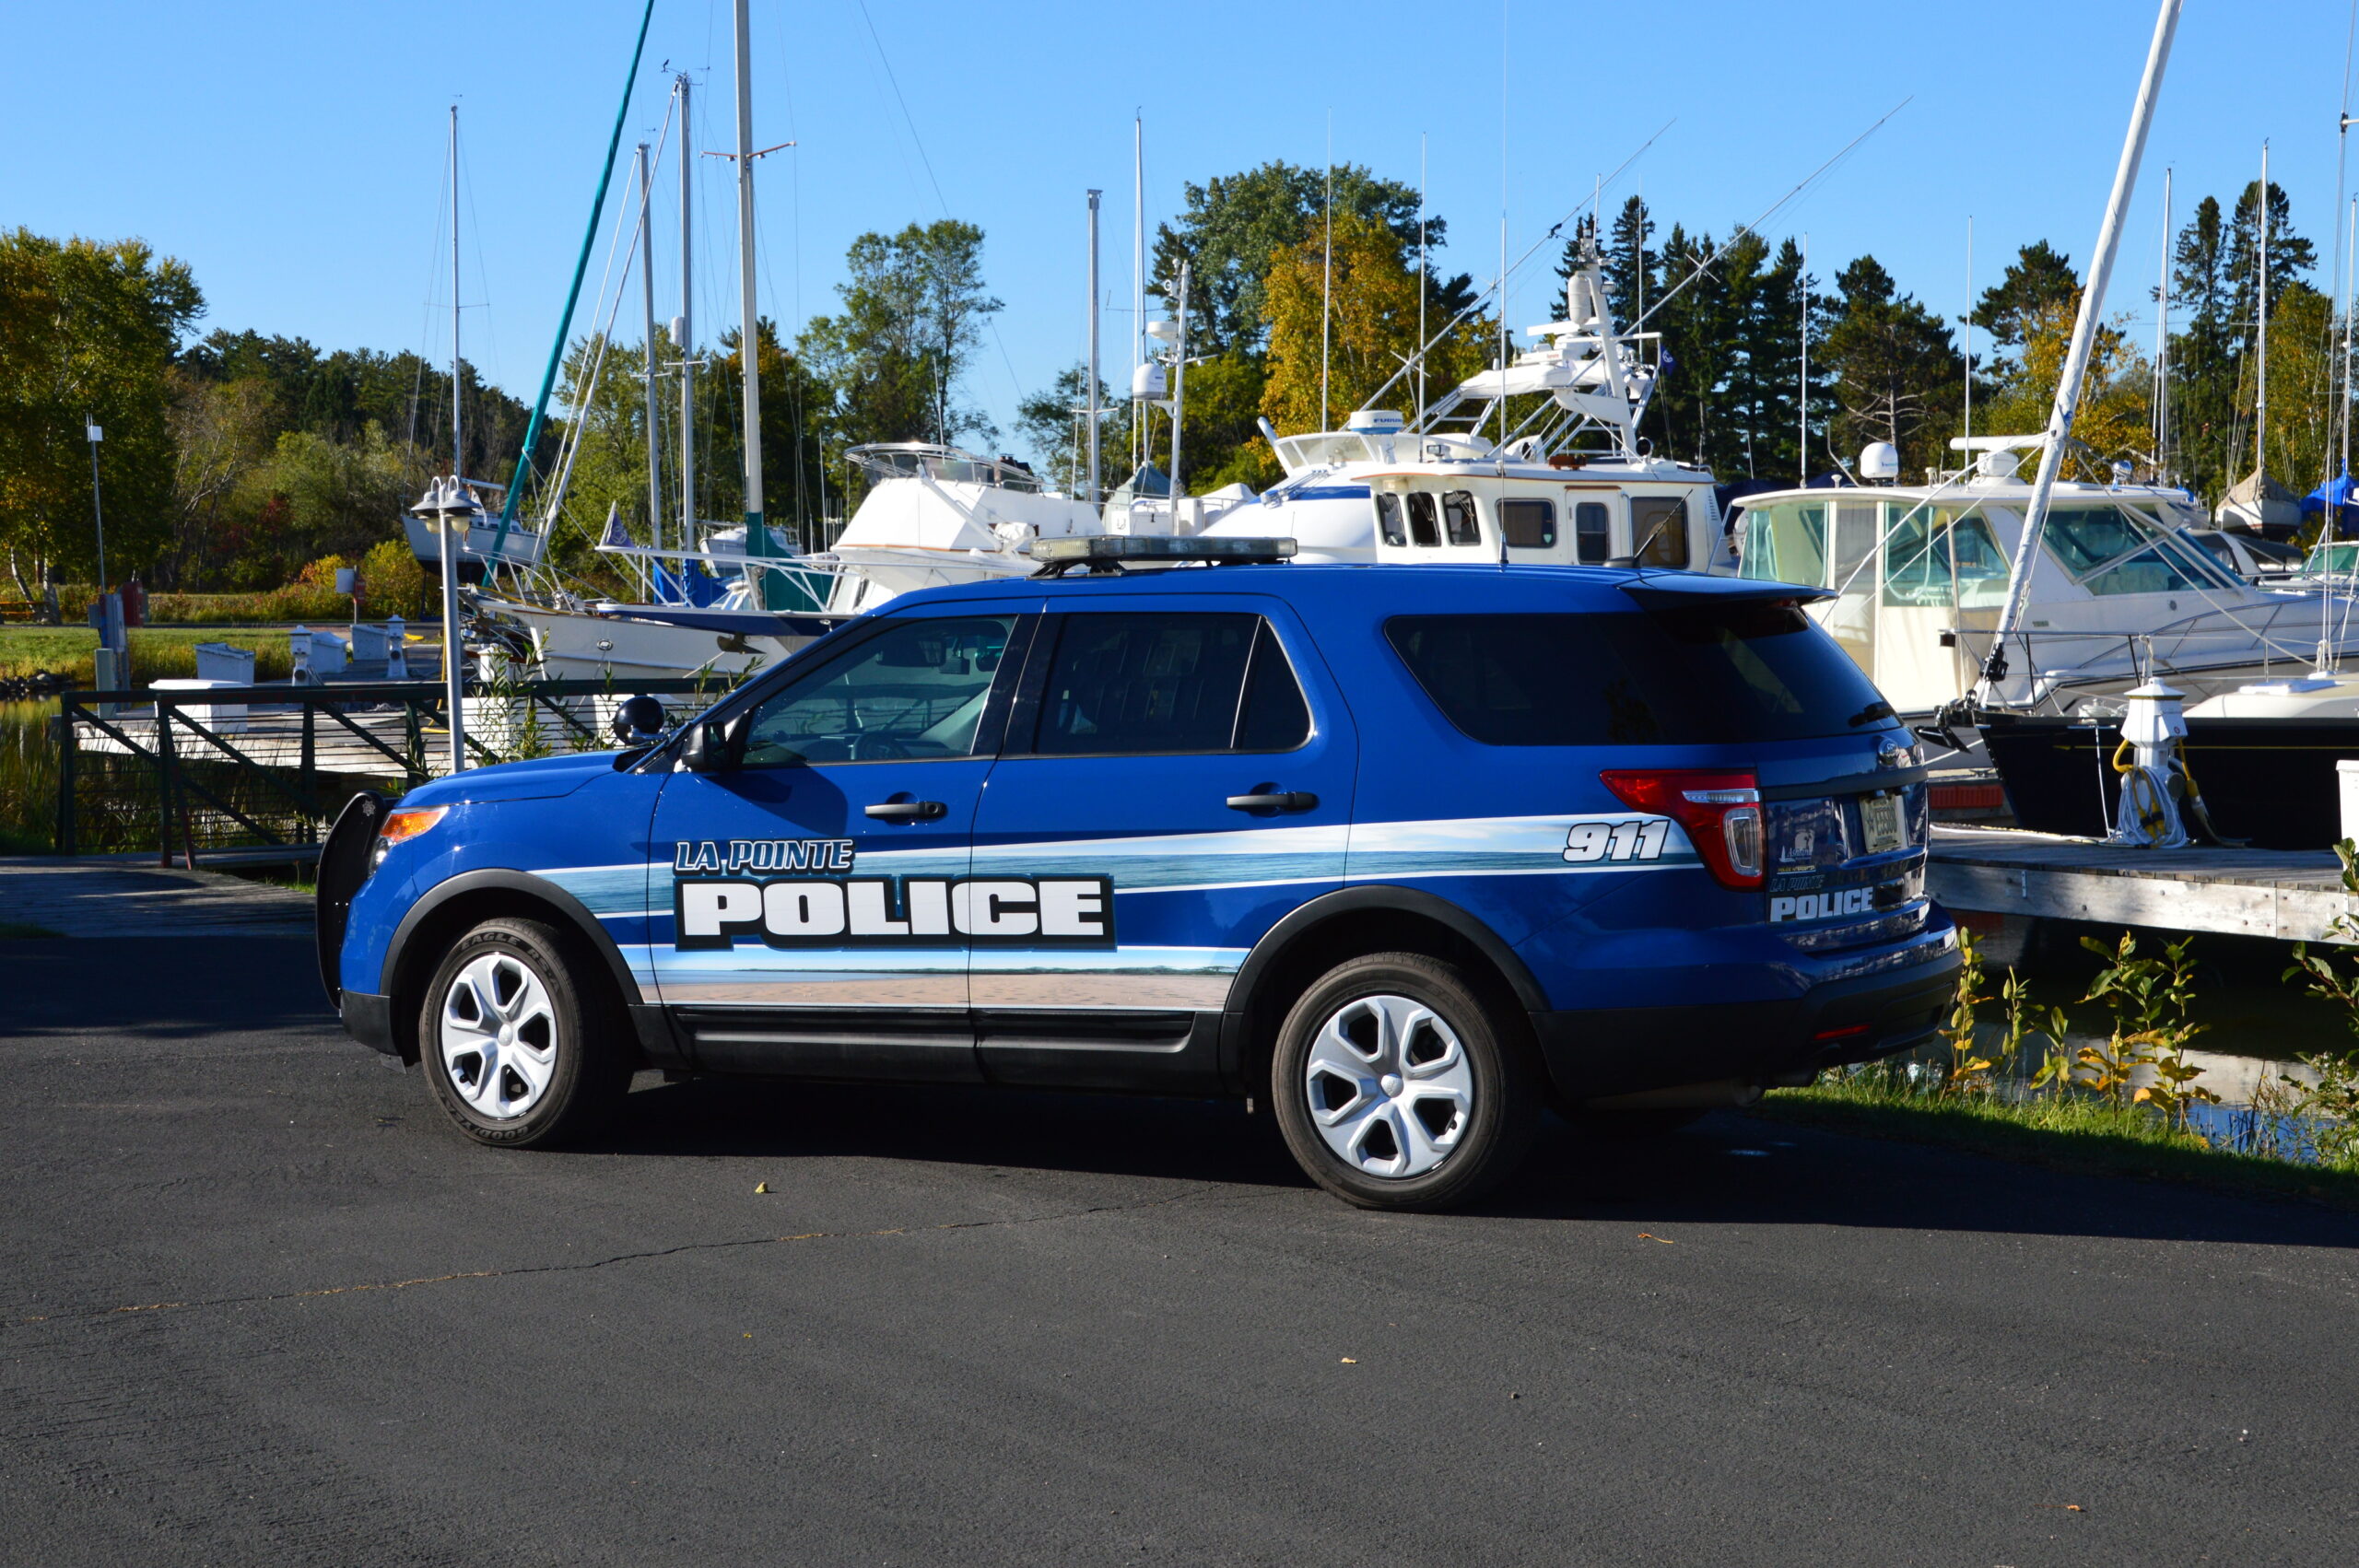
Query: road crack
[144,1308]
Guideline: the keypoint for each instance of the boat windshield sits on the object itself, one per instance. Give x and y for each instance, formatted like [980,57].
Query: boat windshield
[2113,550]
[2339,559]
[1943,557]
[915,459]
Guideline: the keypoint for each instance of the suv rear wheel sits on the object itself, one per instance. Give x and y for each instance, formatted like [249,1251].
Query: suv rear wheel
[1395,1088]
[519,1053]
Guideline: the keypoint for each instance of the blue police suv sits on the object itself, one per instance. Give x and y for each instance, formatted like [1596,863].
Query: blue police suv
[1403,853]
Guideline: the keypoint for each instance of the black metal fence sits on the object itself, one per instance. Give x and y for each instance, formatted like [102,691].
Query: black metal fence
[249,768]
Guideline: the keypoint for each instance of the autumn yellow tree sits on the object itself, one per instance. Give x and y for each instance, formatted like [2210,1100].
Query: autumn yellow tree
[1372,328]
[2116,415]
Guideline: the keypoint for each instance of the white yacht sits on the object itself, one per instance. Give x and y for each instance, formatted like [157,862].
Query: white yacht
[2119,588]
[1571,482]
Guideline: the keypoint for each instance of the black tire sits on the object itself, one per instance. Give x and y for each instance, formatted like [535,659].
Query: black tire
[576,1041]
[1487,1138]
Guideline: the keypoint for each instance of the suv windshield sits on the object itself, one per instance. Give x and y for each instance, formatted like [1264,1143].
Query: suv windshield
[1682,674]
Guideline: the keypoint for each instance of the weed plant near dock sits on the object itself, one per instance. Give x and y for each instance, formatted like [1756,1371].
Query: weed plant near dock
[2131,1104]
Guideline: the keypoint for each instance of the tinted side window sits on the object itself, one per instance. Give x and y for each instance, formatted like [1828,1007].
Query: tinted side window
[1592,533]
[1457,511]
[1685,675]
[1422,528]
[1529,525]
[916,689]
[1274,718]
[1659,524]
[1129,683]
[1388,518]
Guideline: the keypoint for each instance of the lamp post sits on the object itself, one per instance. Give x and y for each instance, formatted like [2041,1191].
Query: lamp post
[98,512]
[450,506]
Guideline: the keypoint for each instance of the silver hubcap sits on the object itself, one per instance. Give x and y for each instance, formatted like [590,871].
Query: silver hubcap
[498,1036]
[1390,1087]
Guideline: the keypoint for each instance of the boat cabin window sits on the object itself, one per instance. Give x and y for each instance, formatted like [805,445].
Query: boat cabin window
[1855,540]
[2102,546]
[1457,511]
[2084,538]
[1930,553]
[1592,533]
[1658,527]
[1424,527]
[1388,518]
[1786,542]
[1528,524]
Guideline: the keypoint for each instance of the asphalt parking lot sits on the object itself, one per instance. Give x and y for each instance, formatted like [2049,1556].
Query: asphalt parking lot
[258,1307]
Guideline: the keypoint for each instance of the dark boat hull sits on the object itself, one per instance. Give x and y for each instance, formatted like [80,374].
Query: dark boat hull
[2269,782]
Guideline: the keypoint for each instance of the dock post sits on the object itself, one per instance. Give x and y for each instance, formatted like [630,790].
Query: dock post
[68,739]
[163,782]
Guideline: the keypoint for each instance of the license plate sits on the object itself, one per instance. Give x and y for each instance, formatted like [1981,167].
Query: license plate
[1880,816]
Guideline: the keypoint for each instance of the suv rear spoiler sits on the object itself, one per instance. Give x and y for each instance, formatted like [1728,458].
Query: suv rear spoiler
[1694,592]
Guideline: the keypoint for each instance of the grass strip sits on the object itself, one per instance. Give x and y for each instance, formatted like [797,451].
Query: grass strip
[2076,1136]
[18,930]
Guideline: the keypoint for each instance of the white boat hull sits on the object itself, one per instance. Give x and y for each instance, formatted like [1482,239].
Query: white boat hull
[573,644]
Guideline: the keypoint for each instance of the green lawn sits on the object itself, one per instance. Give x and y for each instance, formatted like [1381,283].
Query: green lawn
[2075,1135]
[156,652]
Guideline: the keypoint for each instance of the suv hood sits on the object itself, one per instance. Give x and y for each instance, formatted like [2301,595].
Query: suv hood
[544,778]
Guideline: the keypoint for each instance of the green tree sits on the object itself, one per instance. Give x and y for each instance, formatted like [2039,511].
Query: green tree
[1233,227]
[1897,374]
[912,318]
[89,330]
[1054,425]
[2036,281]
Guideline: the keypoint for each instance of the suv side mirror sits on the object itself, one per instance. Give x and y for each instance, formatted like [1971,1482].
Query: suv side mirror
[638,721]
[712,747]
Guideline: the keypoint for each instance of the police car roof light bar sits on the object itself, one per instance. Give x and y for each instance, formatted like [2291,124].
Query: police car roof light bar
[1115,552]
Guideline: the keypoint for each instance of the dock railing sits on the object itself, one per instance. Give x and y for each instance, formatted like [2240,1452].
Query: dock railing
[266,769]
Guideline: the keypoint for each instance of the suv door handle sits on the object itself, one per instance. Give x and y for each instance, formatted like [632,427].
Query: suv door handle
[908,811]
[1286,801]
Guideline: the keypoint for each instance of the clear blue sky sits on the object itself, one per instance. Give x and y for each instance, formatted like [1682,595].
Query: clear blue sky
[292,153]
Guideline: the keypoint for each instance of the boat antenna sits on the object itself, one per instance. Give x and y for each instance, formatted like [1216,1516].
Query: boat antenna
[1327,278]
[1802,448]
[1138,285]
[573,295]
[1770,211]
[1423,262]
[1968,320]
[2076,358]
[646,177]
[1417,360]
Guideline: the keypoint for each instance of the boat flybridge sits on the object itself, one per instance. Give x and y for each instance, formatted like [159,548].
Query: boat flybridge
[1569,482]
[2120,591]
[935,515]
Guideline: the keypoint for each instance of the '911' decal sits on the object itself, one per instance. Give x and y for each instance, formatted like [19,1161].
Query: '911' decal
[1590,843]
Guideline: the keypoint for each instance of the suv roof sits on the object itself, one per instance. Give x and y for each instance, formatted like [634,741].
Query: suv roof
[1485,585]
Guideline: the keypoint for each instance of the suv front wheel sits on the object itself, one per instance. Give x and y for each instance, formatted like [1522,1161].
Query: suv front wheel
[520,1053]
[1395,1089]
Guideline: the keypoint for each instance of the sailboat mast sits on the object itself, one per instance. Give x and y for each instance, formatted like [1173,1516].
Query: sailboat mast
[647,310]
[2260,328]
[2162,346]
[1138,287]
[458,467]
[684,338]
[1091,493]
[757,540]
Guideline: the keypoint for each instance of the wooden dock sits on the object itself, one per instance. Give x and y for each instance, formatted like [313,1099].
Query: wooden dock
[2291,895]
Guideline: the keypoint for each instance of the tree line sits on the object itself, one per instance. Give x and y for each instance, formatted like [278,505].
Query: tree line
[231,460]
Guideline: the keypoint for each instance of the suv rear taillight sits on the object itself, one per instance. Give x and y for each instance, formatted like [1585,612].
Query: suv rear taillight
[1721,810]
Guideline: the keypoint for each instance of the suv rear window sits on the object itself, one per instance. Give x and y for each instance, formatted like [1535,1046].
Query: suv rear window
[1676,676]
